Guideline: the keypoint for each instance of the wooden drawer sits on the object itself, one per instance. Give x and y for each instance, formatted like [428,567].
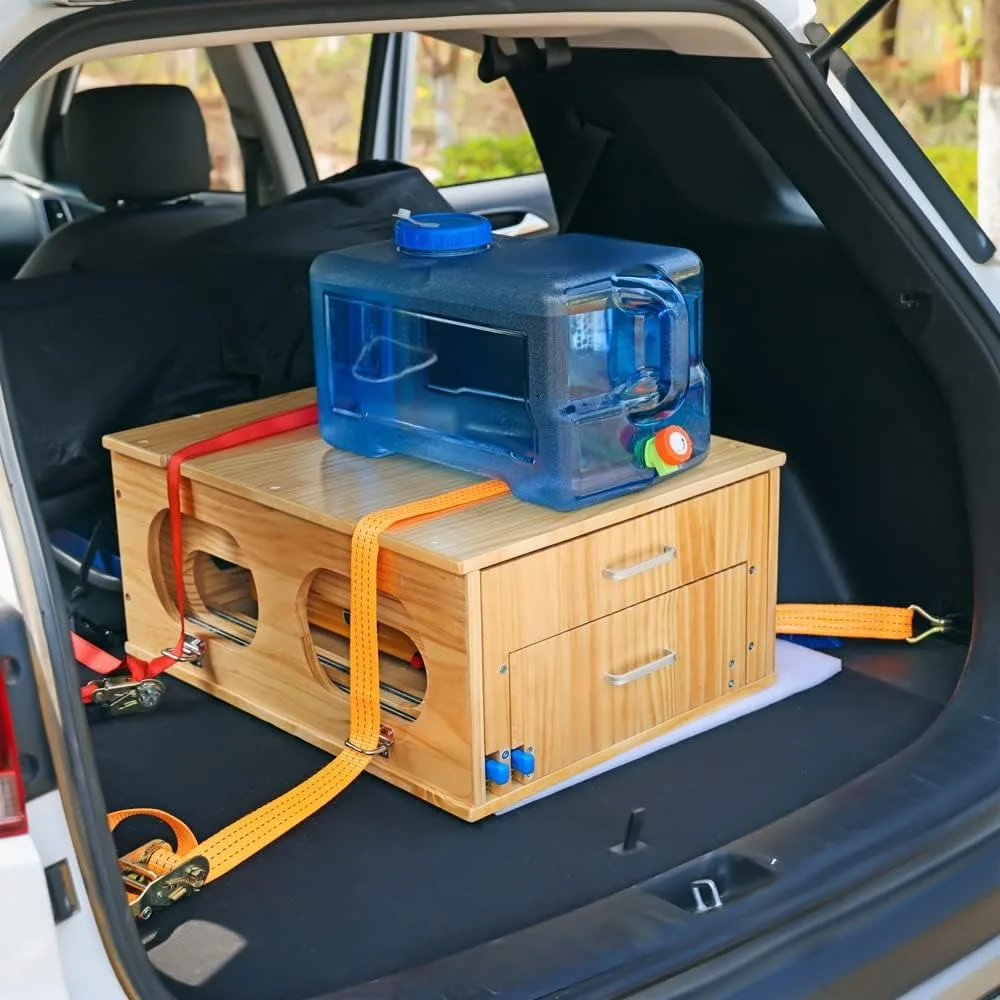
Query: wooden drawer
[561,587]
[603,683]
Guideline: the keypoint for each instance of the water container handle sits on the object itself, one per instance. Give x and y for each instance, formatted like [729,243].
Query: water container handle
[649,293]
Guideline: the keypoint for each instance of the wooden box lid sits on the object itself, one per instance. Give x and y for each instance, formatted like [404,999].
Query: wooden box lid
[302,475]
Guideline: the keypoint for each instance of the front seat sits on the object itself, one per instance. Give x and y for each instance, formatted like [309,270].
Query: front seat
[141,153]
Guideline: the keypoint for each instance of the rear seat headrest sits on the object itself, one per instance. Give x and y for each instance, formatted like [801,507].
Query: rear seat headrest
[138,143]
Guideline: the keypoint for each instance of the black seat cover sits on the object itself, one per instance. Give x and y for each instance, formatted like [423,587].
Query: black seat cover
[89,354]
[219,318]
[254,273]
[140,151]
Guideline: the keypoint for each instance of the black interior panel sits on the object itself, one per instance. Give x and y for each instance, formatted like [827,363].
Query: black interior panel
[29,212]
[21,226]
[804,355]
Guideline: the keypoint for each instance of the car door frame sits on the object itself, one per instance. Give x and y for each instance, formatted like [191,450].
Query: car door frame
[976,792]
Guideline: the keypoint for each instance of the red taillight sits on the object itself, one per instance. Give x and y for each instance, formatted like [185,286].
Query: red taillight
[13,813]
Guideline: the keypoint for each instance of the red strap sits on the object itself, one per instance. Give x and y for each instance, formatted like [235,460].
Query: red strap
[101,662]
[93,657]
[257,430]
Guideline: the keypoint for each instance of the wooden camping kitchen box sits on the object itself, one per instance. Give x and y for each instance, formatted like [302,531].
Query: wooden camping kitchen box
[574,636]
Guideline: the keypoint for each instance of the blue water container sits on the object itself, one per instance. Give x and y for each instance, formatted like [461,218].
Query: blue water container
[569,366]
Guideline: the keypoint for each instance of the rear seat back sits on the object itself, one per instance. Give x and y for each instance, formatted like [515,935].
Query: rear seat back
[222,318]
[90,353]
[140,152]
[217,319]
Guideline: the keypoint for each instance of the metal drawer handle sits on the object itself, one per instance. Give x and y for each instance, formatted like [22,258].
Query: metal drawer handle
[667,660]
[669,554]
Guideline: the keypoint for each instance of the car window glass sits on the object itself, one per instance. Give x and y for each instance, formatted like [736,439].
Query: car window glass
[460,129]
[925,60]
[327,79]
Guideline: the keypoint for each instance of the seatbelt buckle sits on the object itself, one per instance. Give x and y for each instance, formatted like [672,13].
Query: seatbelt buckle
[154,891]
[953,626]
[125,696]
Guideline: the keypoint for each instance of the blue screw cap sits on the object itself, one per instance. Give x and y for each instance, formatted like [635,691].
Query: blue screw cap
[497,772]
[522,762]
[442,232]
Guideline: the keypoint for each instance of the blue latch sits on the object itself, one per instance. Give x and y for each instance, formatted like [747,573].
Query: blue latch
[497,771]
[522,762]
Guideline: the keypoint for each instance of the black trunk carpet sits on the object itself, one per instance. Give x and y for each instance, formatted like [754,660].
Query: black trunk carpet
[379,881]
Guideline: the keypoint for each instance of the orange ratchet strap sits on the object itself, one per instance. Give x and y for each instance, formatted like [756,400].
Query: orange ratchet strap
[857,621]
[156,874]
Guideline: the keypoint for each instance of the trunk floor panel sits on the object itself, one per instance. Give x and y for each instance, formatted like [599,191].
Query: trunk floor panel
[379,881]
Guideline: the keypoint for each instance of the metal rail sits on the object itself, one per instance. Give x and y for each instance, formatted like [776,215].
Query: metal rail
[325,661]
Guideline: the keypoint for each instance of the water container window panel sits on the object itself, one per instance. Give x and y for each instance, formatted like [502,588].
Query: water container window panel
[420,372]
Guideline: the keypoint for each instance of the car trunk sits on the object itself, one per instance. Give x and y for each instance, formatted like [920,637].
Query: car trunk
[813,350]
[804,357]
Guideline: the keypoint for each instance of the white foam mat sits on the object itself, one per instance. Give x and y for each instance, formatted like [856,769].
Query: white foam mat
[797,669]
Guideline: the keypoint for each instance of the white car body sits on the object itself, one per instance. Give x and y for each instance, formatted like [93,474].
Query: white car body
[42,960]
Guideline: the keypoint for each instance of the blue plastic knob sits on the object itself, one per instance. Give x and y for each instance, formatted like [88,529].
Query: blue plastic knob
[497,771]
[443,232]
[522,762]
